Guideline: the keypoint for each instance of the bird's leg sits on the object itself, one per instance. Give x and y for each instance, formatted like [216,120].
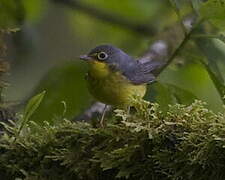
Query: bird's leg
[128,110]
[103,116]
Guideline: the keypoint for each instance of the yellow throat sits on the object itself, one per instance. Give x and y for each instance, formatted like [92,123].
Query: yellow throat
[112,87]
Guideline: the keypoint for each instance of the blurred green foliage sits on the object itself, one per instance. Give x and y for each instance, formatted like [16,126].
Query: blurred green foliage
[12,13]
[214,11]
[34,9]
[129,8]
[66,93]
[165,94]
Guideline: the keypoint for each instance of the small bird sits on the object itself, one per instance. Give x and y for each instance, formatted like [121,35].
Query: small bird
[114,77]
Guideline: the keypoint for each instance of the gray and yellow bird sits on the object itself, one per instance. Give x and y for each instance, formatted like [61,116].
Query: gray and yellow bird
[114,77]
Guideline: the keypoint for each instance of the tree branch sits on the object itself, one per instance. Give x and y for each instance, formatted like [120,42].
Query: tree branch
[108,17]
[183,42]
[176,52]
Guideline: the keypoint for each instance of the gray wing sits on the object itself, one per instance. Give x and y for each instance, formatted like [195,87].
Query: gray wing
[143,72]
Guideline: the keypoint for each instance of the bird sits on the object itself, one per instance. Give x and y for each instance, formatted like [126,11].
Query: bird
[114,77]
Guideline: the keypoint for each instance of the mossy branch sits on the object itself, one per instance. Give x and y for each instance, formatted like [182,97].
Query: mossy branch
[187,142]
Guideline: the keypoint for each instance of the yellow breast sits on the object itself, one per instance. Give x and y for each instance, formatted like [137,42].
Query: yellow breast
[112,87]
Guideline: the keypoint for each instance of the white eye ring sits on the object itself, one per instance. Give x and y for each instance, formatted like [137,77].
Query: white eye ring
[102,56]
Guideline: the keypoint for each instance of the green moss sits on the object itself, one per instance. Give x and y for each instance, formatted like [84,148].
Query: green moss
[186,142]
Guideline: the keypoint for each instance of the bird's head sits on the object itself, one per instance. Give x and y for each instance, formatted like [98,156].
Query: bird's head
[105,54]
[106,58]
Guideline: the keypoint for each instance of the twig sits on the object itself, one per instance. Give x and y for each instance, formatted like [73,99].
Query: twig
[176,52]
[108,17]
[180,47]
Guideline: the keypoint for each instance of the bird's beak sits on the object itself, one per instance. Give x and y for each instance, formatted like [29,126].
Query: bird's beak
[85,57]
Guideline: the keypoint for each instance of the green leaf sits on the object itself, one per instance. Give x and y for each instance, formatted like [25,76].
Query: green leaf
[218,84]
[214,10]
[182,96]
[221,37]
[176,3]
[30,108]
[214,55]
[214,50]
[33,105]
[195,5]
[166,94]
[64,83]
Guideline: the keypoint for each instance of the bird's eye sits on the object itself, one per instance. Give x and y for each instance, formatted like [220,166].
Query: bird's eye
[102,56]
